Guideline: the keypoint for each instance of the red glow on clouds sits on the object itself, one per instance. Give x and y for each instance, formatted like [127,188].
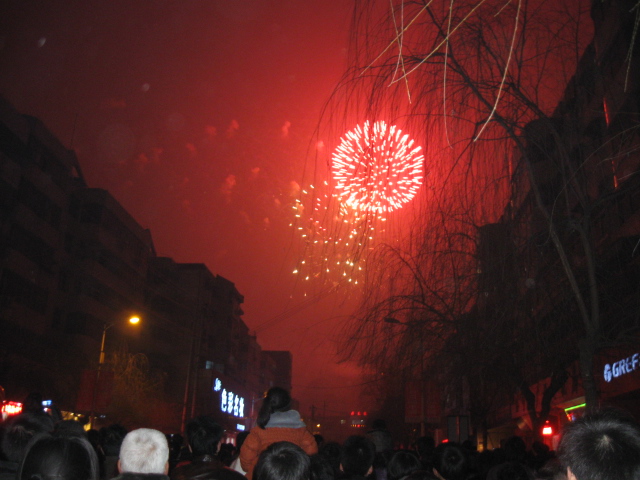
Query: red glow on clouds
[184,105]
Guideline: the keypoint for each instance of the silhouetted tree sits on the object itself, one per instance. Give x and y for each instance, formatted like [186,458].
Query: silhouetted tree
[513,138]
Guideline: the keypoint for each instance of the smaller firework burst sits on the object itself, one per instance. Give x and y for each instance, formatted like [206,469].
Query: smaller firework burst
[376,170]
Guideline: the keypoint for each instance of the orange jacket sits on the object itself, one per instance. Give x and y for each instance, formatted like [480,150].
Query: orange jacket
[259,439]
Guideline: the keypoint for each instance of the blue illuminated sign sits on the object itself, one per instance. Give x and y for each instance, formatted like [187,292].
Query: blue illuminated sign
[621,367]
[229,402]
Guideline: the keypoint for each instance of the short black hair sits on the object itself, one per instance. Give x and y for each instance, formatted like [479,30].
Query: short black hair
[422,475]
[510,471]
[111,438]
[282,461]
[602,446]
[19,430]
[402,463]
[514,449]
[203,434]
[332,451]
[425,445]
[240,438]
[277,399]
[357,456]
[451,461]
[70,458]
[321,469]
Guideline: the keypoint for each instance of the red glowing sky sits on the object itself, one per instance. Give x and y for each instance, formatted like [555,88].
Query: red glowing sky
[197,117]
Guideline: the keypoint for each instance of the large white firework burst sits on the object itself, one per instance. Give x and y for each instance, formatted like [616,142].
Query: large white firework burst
[376,168]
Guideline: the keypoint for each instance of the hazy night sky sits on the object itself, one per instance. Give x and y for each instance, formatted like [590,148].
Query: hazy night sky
[197,115]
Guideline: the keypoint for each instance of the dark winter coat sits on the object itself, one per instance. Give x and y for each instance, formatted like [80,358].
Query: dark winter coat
[205,468]
[140,476]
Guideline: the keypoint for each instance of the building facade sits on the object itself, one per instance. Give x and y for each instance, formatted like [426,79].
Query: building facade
[74,267]
[575,184]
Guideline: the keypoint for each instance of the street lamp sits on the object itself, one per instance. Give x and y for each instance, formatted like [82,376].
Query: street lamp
[395,321]
[133,320]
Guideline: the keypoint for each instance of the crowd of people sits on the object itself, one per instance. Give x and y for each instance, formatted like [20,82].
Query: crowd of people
[599,446]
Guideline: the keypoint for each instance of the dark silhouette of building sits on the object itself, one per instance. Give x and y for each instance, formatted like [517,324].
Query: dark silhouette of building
[74,266]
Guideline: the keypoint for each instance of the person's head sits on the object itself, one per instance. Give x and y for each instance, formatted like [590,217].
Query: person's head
[204,435]
[54,458]
[276,400]
[402,463]
[332,451]
[144,451]
[357,456]
[551,470]
[450,461]
[422,475]
[321,469]
[540,449]
[425,446]
[601,446]
[515,450]
[111,438]
[225,453]
[510,471]
[282,461]
[19,430]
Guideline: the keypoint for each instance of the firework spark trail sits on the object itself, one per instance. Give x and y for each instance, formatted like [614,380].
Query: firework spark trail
[376,170]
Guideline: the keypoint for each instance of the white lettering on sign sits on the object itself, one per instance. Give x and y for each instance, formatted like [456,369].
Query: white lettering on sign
[621,367]
[223,400]
[229,402]
[230,397]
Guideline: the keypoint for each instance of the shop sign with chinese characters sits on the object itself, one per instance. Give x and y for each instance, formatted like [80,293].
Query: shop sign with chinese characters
[229,402]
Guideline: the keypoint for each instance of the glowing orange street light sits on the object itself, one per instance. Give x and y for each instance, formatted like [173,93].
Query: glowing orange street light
[133,320]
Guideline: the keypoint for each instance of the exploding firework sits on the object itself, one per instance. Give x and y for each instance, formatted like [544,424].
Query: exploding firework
[377,168]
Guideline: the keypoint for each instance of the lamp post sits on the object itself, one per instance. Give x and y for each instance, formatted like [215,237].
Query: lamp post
[191,383]
[133,320]
[187,386]
[395,321]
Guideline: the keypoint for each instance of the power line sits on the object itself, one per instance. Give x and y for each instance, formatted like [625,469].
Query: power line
[296,309]
[324,387]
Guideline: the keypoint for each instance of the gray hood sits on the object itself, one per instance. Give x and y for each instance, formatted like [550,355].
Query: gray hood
[288,419]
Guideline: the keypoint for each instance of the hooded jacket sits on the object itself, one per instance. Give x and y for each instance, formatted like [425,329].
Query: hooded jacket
[282,426]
